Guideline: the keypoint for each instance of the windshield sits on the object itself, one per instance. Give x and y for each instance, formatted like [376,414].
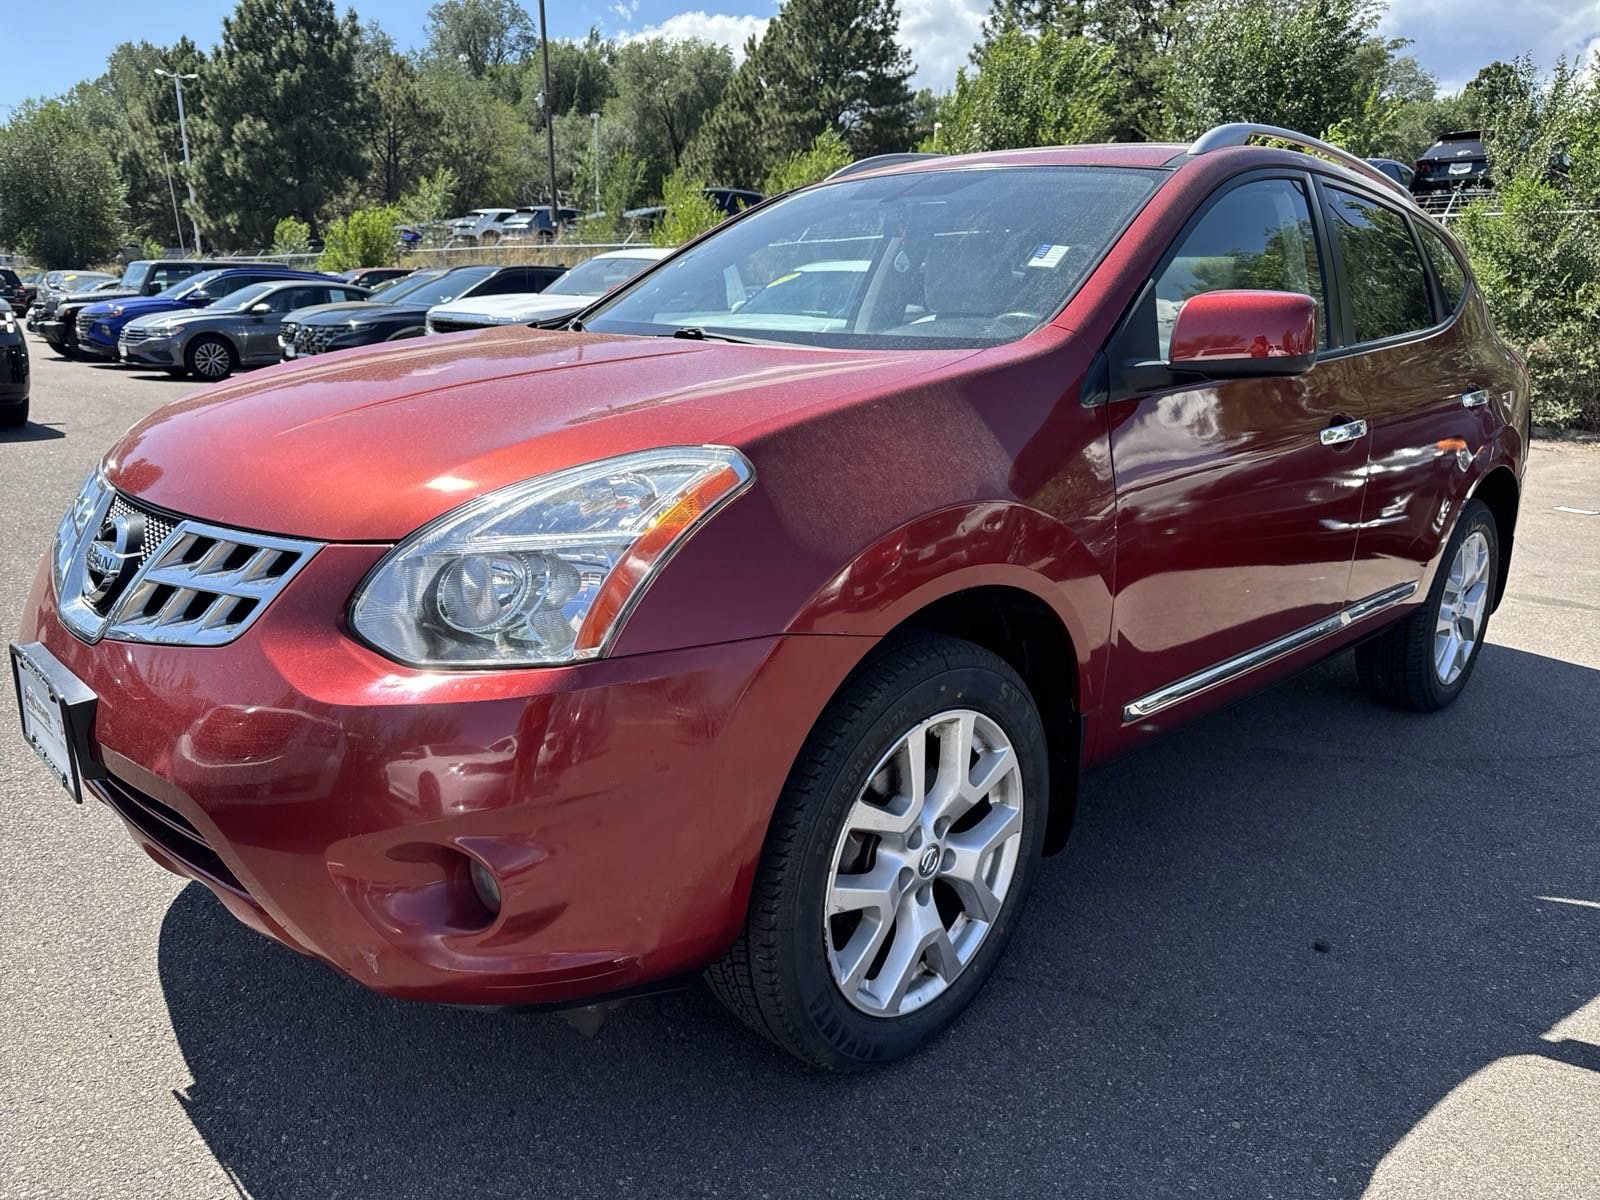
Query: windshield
[597,276]
[443,288]
[134,275]
[954,258]
[194,283]
[246,296]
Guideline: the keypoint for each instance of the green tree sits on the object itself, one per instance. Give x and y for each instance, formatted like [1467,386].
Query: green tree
[821,64]
[1031,91]
[283,127]
[49,154]
[826,155]
[479,137]
[580,75]
[1294,63]
[690,212]
[431,199]
[366,238]
[480,34]
[401,127]
[665,91]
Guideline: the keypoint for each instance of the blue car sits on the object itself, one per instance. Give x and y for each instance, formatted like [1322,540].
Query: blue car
[99,325]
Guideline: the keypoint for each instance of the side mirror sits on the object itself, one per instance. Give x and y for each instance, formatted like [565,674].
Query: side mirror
[197,299]
[154,288]
[1245,334]
[261,309]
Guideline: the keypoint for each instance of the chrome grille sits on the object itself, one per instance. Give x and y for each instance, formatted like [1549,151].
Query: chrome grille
[286,332]
[134,335]
[84,324]
[192,583]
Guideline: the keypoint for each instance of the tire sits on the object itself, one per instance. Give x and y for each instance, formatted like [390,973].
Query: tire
[210,358]
[14,417]
[175,372]
[787,975]
[1410,664]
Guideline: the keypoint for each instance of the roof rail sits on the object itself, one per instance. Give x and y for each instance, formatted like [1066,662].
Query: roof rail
[878,161]
[1242,133]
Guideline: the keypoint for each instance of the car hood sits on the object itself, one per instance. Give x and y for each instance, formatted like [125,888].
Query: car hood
[368,445]
[354,310]
[519,308]
[147,306]
[94,297]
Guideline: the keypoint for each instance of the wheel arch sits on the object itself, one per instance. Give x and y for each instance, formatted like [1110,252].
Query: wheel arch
[1501,493]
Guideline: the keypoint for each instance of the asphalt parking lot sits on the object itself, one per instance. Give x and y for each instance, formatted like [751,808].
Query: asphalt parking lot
[1309,947]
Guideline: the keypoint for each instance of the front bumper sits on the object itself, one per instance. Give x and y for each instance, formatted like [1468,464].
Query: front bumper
[97,340]
[156,351]
[334,800]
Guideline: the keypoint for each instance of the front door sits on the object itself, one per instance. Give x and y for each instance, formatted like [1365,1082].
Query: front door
[1236,521]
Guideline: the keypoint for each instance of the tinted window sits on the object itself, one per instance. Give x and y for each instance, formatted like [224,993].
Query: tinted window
[443,288]
[1388,288]
[505,284]
[1446,268]
[1257,237]
[971,257]
[598,276]
[168,274]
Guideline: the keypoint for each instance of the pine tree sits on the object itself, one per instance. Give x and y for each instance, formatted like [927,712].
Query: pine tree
[822,64]
[282,134]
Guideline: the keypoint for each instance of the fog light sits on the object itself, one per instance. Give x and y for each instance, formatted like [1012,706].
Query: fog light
[485,884]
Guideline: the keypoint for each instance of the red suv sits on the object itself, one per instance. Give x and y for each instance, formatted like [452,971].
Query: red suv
[769,639]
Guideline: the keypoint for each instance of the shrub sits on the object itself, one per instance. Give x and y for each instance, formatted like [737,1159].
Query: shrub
[827,154]
[291,236]
[690,212]
[366,238]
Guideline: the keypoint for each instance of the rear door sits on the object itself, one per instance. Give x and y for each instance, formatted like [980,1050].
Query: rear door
[1421,377]
[1236,524]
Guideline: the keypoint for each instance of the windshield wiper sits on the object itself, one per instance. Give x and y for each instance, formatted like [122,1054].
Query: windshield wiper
[695,334]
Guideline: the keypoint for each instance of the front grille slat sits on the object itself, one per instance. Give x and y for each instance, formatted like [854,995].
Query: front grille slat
[191,583]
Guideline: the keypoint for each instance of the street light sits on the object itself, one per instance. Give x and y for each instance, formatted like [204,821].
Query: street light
[595,118]
[183,132]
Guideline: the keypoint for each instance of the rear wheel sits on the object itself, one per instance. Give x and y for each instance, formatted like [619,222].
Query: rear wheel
[1424,662]
[13,416]
[210,358]
[898,859]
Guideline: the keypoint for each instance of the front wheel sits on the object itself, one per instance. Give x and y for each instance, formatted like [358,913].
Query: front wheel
[1423,662]
[898,859]
[210,358]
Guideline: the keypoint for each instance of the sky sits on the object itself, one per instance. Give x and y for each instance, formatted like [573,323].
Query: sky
[1452,38]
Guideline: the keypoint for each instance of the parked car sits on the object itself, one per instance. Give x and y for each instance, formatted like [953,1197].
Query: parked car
[729,200]
[570,294]
[401,311]
[14,369]
[144,277]
[30,292]
[1395,170]
[13,292]
[780,655]
[57,285]
[238,330]
[480,227]
[1454,162]
[535,223]
[100,325]
[371,277]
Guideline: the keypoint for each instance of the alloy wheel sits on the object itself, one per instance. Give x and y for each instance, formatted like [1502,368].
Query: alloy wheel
[1462,608]
[211,360]
[924,863]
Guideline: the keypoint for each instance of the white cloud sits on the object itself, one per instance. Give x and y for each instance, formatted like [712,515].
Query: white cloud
[940,34]
[1453,38]
[723,28]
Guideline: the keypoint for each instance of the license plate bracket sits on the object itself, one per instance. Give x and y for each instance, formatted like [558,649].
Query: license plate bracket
[57,712]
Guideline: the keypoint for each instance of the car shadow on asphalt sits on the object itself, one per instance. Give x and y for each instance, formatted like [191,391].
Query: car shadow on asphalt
[1276,943]
[31,431]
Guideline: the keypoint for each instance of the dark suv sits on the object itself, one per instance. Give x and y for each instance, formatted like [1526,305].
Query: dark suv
[146,277]
[401,311]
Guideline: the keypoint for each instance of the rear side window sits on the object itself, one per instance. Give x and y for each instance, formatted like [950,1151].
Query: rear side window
[505,284]
[1257,237]
[1446,268]
[1388,287]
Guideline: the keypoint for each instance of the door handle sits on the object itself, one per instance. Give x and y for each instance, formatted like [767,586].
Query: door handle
[1474,399]
[1337,435]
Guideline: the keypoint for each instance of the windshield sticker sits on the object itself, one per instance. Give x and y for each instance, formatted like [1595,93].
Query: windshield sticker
[1047,255]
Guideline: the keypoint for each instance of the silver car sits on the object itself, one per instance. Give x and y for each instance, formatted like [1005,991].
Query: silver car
[240,330]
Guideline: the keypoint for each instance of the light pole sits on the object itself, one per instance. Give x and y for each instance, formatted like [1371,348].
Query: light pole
[183,132]
[595,118]
[549,123]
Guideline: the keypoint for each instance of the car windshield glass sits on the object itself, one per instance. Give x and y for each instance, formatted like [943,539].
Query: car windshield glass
[444,288]
[954,258]
[244,297]
[134,276]
[194,283]
[597,276]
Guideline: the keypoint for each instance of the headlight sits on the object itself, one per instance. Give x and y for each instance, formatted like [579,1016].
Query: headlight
[8,321]
[92,497]
[543,572]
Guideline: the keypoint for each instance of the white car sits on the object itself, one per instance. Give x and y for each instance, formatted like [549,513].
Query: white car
[572,293]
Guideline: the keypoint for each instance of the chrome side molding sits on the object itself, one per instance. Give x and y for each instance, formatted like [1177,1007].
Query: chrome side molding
[1203,681]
